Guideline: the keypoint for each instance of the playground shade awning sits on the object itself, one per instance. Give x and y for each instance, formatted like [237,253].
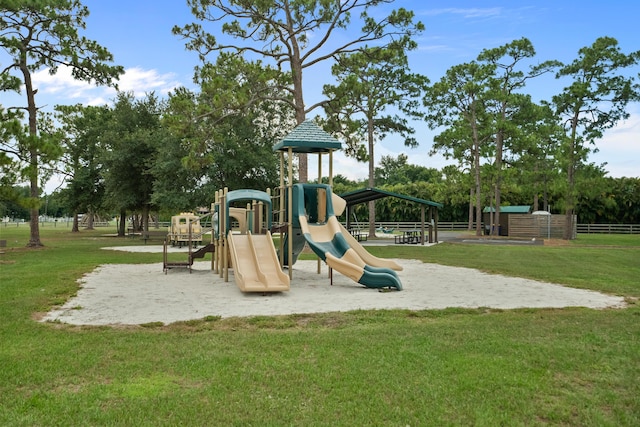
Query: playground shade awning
[365,195]
[308,137]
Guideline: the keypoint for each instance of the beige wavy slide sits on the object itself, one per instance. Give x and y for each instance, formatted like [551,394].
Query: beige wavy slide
[256,267]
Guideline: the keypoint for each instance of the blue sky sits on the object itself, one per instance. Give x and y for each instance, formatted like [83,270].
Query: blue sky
[138,33]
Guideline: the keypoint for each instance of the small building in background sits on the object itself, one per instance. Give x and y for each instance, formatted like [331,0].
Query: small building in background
[541,224]
[505,213]
[520,222]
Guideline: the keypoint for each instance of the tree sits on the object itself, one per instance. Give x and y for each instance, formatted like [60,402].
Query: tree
[10,130]
[229,128]
[457,102]
[129,154]
[537,149]
[82,163]
[505,102]
[280,31]
[398,171]
[594,102]
[44,34]
[371,82]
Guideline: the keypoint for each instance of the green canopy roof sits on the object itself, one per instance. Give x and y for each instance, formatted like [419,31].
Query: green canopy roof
[364,195]
[308,137]
[509,209]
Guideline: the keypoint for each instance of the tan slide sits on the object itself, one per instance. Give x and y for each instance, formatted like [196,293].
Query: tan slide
[256,267]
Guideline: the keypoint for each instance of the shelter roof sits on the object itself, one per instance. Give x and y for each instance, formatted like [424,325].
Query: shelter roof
[365,195]
[308,137]
[509,209]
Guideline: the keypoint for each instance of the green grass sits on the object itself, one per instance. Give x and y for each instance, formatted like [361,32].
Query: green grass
[388,367]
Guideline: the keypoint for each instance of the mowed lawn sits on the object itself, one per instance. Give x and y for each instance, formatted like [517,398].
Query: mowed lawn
[572,366]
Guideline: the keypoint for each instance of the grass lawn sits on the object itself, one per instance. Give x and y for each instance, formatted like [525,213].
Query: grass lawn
[572,366]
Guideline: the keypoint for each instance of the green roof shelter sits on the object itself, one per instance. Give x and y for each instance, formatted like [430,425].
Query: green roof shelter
[365,195]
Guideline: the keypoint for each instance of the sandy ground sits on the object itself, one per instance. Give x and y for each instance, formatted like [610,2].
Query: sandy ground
[130,294]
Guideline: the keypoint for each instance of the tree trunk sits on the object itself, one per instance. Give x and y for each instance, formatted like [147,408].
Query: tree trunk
[123,223]
[372,183]
[470,226]
[495,231]
[498,183]
[34,225]
[569,198]
[75,228]
[145,218]
[298,99]
[90,220]
[476,167]
[536,186]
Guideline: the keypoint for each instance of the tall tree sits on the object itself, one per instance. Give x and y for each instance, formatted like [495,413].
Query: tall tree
[374,97]
[458,102]
[595,101]
[44,34]
[280,31]
[505,101]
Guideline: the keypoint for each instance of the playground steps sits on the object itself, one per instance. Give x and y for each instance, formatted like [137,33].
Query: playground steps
[173,264]
[200,253]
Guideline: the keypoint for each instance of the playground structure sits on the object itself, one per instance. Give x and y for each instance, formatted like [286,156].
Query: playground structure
[299,215]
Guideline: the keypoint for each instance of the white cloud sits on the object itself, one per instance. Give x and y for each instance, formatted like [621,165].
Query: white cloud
[62,88]
[465,12]
[140,81]
[620,147]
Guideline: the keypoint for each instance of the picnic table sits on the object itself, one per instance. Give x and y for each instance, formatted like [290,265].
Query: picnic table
[409,237]
[358,234]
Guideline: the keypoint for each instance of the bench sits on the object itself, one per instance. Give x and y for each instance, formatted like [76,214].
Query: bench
[154,235]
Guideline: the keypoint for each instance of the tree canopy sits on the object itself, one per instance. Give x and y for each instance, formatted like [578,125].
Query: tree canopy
[279,32]
[37,35]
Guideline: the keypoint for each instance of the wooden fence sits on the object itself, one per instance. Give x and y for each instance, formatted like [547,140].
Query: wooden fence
[609,228]
[442,226]
[543,226]
[463,226]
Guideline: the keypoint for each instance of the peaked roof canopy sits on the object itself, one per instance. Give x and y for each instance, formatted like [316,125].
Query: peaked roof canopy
[308,137]
[364,195]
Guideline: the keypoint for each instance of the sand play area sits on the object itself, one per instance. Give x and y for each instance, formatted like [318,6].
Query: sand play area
[129,294]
